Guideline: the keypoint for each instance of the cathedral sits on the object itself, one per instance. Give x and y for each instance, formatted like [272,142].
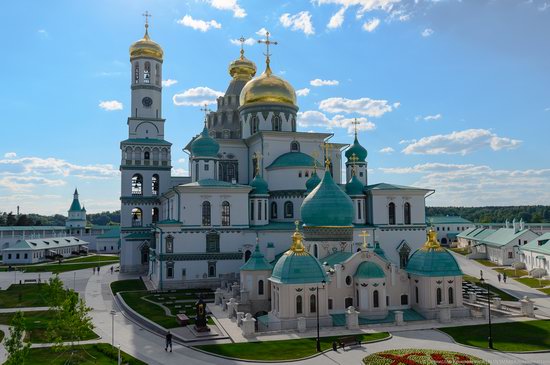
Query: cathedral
[258,186]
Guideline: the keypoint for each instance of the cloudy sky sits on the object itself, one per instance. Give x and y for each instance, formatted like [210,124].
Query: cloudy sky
[452,95]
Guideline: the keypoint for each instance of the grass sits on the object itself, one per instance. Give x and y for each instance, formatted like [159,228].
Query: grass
[94,258]
[96,354]
[495,291]
[2,334]
[59,268]
[462,251]
[513,336]
[127,285]
[486,262]
[545,291]
[280,350]
[534,283]
[23,295]
[511,273]
[36,324]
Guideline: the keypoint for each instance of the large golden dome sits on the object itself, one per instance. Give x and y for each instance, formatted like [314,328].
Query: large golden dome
[145,47]
[268,88]
[242,68]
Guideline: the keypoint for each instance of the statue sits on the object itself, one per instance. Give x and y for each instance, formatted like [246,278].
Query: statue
[200,318]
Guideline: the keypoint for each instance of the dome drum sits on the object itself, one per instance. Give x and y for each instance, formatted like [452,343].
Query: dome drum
[328,233]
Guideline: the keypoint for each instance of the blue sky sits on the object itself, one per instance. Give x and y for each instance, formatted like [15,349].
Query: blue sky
[452,95]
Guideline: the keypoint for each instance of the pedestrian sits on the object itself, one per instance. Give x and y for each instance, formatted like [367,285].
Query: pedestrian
[499,277]
[504,278]
[98,270]
[168,341]
[93,269]
[111,270]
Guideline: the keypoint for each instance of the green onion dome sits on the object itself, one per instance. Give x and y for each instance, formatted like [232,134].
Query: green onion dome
[359,151]
[327,205]
[260,185]
[256,262]
[369,270]
[433,260]
[312,182]
[354,186]
[204,145]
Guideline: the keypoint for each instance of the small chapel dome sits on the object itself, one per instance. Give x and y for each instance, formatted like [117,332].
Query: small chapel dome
[260,185]
[433,260]
[204,145]
[242,68]
[354,186]
[312,182]
[359,151]
[257,262]
[145,47]
[369,270]
[327,205]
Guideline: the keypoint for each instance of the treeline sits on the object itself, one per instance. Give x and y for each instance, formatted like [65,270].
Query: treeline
[12,219]
[529,213]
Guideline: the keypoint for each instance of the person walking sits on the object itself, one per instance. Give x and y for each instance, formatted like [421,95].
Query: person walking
[112,271]
[499,277]
[504,278]
[93,269]
[98,270]
[168,341]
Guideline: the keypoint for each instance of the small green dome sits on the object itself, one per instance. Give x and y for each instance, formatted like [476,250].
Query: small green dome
[256,262]
[312,182]
[204,145]
[293,159]
[379,250]
[327,205]
[369,270]
[433,260]
[298,268]
[354,186]
[260,185]
[359,151]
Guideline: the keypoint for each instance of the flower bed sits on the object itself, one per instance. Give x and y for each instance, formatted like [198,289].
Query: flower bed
[422,357]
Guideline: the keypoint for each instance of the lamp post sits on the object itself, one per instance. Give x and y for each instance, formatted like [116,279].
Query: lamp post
[113,314]
[317,310]
[482,281]
[119,358]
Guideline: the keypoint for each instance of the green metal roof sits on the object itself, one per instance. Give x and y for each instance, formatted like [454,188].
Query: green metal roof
[312,182]
[354,186]
[215,183]
[260,185]
[169,221]
[256,262]
[204,145]
[369,270]
[139,236]
[146,141]
[75,206]
[337,258]
[502,236]
[298,268]
[33,228]
[433,262]
[477,234]
[327,205]
[293,159]
[540,244]
[386,186]
[447,220]
[112,233]
[46,243]
[359,151]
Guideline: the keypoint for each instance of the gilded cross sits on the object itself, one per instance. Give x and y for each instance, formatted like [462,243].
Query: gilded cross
[355,124]
[206,111]
[353,160]
[328,147]
[258,157]
[364,234]
[267,42]
[242,40]
[297,224]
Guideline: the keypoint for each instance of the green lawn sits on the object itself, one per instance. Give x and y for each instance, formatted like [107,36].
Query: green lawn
[486,262]
[462,251]
[514,336]
[280,350]
[93,258]
[96,354]
[495,291]
[2,334]
[534,283]
[127,285]
[148,310]
[545,291]
[36,324]
[59,268]
[511,273]
[24,295]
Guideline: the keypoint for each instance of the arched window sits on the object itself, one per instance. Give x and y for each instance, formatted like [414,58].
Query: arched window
[312,303]
[273,210]
[260,287]
[147,156]
[375,299]
[145,254]
[439,296]
[276,123]
[147,73]
[155,185]
[137,217]
[315,250]
[299,304]
[254,125]
[259,210]
[226,214]
[155,215]
[416,294]
[391,213]
[407,213]
[451,296]
[212,269]
[294,146]
[404,299]
[137,184]
[169,244]
[157,74]
[206,213]
[289,210]
[136,72]
[247,255]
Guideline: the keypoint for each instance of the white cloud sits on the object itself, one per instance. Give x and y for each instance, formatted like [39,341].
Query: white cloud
[196,96]
[10,155]
[300,21]
[337,19]
[396,105]
[231,5]
[247,41]
[319,82]
[262,32]
[363,106]
[110,105]
[182,160]
[371,24]
[169,82]
[433,117]
[460,142]
[427,32]
[198,24]
[313,118]
[387,150]
[303,92]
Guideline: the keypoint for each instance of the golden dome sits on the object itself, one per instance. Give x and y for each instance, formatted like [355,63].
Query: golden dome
[145,47]
[242,68]
[268,88]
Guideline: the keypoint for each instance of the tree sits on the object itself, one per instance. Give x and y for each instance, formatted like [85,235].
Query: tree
[10,219]
[24,220]
[55,292]
[17,350]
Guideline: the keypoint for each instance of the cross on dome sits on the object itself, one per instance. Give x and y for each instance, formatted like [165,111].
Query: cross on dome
[364,234]
[355,124]
[267,42]
[206,111]
[258,156]
[353,160]
[328,148]
[146,15]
